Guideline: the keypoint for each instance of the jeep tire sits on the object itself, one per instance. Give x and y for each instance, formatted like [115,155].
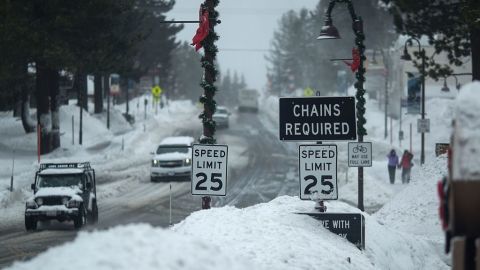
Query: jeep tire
[80,219]
[30,223]
[93,216]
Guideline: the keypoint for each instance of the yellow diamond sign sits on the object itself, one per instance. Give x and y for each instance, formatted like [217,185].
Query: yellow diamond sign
[156,91]
[308,92]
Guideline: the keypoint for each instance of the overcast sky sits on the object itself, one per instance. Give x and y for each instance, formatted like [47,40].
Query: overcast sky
[245,32]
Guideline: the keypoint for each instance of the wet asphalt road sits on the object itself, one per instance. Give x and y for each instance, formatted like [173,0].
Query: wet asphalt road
[270,172]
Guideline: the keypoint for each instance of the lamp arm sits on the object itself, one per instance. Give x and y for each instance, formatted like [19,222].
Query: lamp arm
[328,13]
[353,15]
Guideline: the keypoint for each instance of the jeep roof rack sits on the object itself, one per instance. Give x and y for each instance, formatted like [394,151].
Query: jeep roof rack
[78,165]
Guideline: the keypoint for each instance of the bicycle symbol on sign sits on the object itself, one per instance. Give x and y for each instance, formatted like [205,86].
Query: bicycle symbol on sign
[359,148]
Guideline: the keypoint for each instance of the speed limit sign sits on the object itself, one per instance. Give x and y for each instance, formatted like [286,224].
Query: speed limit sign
[318,172]
[209,169]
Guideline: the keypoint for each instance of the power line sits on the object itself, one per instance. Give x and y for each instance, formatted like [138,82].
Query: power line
[242,50]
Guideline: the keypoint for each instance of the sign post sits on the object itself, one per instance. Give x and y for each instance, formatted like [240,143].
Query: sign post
[317,119]
[156,92]
[318,172]
[359,154]
[209,170]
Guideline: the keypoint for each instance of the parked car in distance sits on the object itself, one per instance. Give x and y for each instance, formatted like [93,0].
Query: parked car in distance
[221,117]
[172,160]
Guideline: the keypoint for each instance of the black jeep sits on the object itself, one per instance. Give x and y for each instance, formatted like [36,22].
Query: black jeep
[65,192]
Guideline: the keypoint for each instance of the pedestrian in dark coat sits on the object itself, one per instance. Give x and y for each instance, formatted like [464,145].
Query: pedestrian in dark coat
[392,165]
[406,164]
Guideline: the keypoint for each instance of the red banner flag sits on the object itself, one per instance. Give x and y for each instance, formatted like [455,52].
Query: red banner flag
[203,29]
[355,64]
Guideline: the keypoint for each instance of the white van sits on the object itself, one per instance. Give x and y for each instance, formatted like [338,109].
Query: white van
[248,100]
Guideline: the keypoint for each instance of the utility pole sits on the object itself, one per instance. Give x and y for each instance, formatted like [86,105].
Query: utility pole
[422,153]
[107,78]
[80,135]
[209,78]
[330,32]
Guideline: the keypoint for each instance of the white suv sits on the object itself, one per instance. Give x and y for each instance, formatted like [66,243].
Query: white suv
[172,159]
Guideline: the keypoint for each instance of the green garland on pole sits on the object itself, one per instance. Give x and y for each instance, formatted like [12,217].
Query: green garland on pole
[361,121]
[210,75]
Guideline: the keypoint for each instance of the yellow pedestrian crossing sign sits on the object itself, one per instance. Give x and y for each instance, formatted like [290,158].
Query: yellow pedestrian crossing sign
[308,92]
[156,91]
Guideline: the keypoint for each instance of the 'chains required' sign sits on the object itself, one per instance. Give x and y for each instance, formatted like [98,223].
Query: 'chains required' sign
[317,119]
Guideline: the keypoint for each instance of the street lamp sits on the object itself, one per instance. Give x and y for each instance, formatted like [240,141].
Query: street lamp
[457,85]
[445,87]
[329,31]
[406,56]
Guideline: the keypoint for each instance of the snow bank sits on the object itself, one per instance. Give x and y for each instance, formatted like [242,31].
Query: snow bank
[414,210]
[265,236]
[135,247]
[466,142]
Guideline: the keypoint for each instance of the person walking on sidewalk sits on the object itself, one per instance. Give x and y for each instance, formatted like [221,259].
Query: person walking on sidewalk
[406,164]
[392,165]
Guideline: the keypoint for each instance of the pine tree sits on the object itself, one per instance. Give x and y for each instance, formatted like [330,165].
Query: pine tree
[452,27]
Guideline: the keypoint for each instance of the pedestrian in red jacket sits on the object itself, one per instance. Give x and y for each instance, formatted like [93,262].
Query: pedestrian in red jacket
[406,164]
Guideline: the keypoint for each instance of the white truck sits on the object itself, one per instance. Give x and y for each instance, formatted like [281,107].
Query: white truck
[248,100]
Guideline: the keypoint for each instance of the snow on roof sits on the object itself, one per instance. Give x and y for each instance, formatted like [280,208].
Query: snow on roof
[466,137]
[61,171]
[185,140]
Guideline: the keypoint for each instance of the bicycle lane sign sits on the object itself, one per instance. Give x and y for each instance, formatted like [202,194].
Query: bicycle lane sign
[359,154]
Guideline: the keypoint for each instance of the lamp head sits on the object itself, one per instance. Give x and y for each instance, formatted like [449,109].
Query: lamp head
[328,31]
[445,87]
[406,56]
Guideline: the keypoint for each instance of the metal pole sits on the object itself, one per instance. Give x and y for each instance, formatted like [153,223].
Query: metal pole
[108,106]
[145,103]
[73,131]
[127,97]
[208,83]
[38,142]
[13,168]
[321,206]
[170,206]
[391,131]
[80,137]
[400,128]
[422,154]
[386,96]
[411,138]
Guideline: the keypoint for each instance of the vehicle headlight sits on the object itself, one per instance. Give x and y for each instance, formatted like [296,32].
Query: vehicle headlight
[73,204]
[187,161]
[39,201]
[65,200]
[31,204]
[154,162]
